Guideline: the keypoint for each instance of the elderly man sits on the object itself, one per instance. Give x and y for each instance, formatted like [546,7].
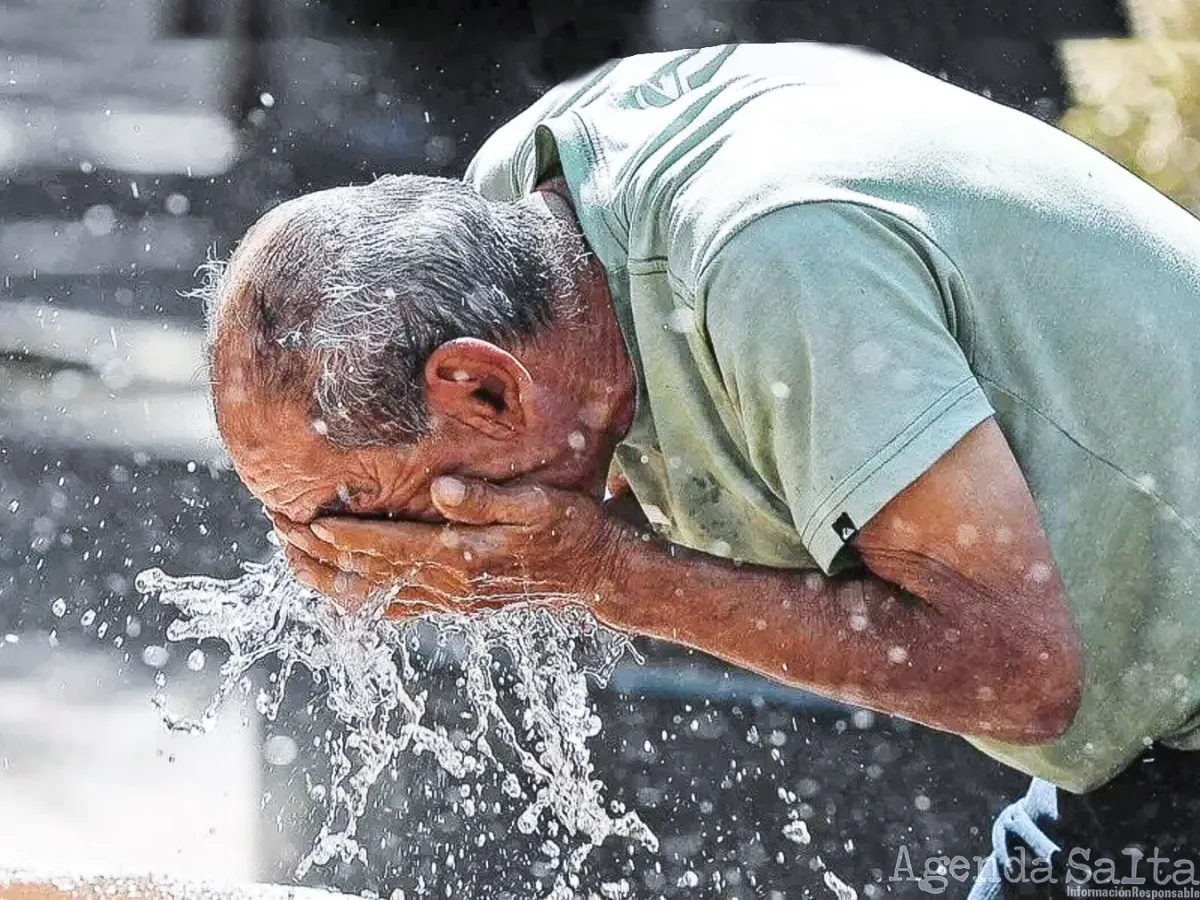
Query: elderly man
[904,381]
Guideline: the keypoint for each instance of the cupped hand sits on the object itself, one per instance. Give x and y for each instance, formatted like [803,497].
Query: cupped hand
[500,544]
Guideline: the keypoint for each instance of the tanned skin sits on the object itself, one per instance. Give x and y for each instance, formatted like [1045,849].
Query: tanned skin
[958,619]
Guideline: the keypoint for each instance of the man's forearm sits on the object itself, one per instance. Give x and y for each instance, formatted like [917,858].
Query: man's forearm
[853,637]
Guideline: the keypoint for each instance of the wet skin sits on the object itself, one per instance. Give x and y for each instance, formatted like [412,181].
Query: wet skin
[501,501]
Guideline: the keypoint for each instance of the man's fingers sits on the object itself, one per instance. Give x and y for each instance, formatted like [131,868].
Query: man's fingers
[370,566]
[305,540]
[436,592]
[397,543]
[375,564]
[442,556]
[474,502]
[347,590]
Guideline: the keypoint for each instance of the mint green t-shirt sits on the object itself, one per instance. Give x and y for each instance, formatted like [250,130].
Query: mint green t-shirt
[829,267]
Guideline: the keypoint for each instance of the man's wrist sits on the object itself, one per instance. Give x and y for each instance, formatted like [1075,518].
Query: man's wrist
[628,590]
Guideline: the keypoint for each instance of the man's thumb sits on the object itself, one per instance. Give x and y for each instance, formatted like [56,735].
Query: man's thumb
[469,502]
[448,492]
[479,503]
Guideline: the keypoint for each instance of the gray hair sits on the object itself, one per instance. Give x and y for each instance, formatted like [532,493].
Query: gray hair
[349,290]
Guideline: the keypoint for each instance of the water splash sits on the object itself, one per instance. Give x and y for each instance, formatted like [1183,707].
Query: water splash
[367,667]
[840,889]
[796,831]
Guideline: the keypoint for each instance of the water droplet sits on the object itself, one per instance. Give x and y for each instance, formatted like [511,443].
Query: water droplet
[280,750]
[862,719]
[154,656]
[1040,573]
[681,321]
[177,204]
[99,220]
[797,832]
[840,889]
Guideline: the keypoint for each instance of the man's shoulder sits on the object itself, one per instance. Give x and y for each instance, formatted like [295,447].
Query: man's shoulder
[638,100]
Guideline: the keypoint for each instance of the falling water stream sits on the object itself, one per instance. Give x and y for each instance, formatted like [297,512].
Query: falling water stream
[522,657]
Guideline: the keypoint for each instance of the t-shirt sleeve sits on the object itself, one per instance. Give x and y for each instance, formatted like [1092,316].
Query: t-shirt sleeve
[510,162]
[491,170]
[833,329]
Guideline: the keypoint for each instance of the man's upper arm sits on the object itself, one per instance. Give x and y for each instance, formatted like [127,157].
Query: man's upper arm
[834,334]
[971,514]
[833,331]
[966,538]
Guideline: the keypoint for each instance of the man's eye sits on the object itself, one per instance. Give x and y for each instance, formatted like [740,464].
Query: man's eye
[342,504]
[332,508]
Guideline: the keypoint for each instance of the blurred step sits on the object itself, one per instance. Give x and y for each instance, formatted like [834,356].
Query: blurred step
[71,190]
[75,378]
[196,142]
[103,243]
[166,73]
[52,24]
[123,352]
[62,407]
[102,84]
[162,299]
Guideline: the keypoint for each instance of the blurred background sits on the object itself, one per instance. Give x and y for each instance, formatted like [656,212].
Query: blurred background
[139,136]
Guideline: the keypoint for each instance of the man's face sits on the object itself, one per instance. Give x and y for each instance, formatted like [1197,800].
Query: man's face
[529,412]
[286,461]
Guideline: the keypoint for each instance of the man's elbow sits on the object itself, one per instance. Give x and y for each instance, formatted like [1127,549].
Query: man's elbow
[1054,712]
[1044,694]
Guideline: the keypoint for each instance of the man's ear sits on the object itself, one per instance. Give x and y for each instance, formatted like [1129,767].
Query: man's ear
[480,385]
